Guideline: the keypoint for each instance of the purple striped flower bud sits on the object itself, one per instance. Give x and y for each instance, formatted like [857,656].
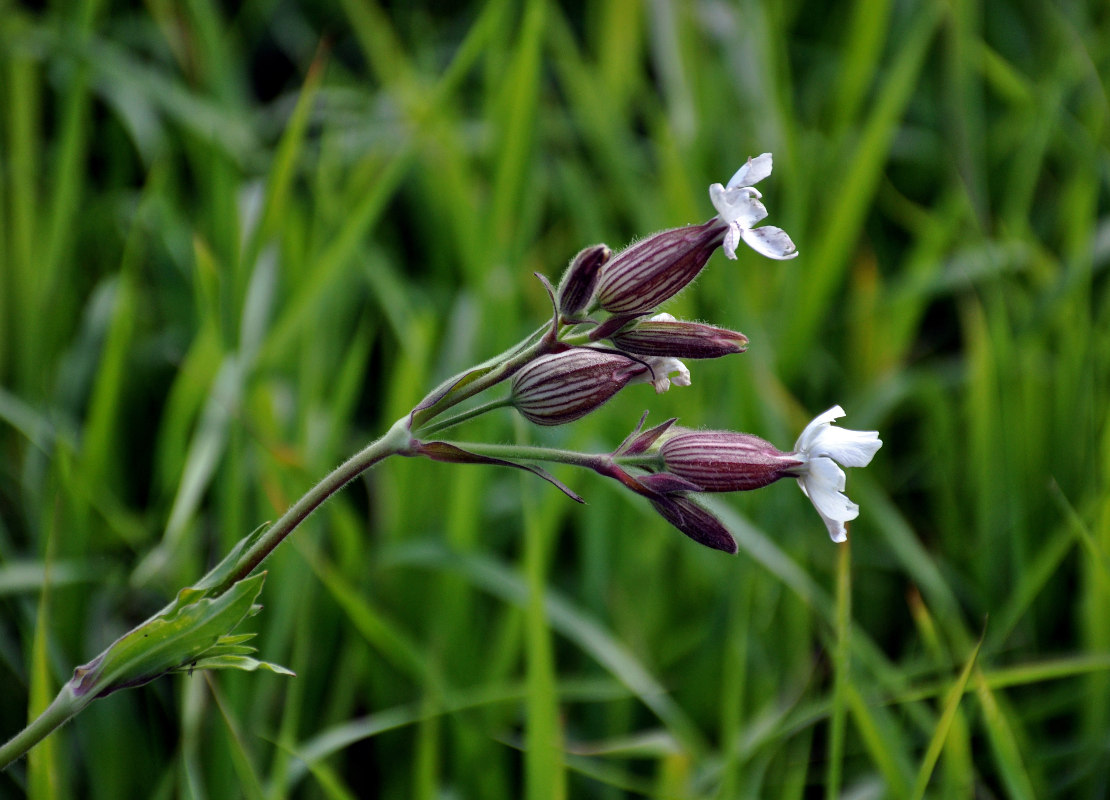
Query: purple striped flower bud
[644,275]
[559,388]
[695,521]
[576,289]
[663,335]
[723,461]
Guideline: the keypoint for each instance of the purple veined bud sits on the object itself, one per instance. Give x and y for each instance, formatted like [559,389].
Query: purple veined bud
[695,521]
[663,335]
[723,461]
[561,387]
[576,288]
[651,271]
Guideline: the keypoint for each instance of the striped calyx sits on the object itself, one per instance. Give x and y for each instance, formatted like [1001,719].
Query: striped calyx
[723,461]
[561,387]
[576,289]
[650,272]
[663,335]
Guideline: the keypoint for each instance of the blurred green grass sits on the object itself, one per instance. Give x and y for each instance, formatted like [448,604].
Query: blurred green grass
[234,247]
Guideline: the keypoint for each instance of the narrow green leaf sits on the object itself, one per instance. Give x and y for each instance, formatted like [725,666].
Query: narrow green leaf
[24,577]
[239,662]
[856,187]
[944,725]
[250,783]
[884,742]
[1004,743]
[44,775]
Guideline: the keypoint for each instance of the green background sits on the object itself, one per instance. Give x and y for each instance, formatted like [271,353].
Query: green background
[237,243]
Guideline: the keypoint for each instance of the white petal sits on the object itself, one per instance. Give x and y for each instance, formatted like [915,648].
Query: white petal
[847,447]
[682,376]
[716,191]
[664,317]
[771,242]
[664,372]
[737,205]
[823,484]
[824,481]
[671,368]
[753,171]
[838,531]
[748,211]
[819,422]
[717,197]
[732,239]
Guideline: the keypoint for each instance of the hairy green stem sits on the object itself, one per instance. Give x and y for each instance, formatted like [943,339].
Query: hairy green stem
[69,702]
[523,452]
[464,416]
[396,440]
[61,709]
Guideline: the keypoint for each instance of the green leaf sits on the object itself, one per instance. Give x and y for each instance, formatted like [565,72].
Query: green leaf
[222,571]
[228,650]
[944,725]
[184,632]
[240,662]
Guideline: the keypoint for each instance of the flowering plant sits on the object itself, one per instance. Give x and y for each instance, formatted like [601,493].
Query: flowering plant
[603,336]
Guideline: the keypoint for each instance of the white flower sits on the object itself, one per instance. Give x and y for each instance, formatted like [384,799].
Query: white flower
[659,376]
[739,207]
[820,448]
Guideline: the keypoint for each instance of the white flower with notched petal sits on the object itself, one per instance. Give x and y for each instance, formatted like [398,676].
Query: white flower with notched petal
[664,371]
[738,207]
[820,448]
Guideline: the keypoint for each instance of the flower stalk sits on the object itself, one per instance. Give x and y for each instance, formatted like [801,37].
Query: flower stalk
[61,710]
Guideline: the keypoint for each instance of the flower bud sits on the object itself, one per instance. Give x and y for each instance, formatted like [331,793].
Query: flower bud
[576,289]
[644,275]
[663,335]
[559,388]
[695,521]
[723,461]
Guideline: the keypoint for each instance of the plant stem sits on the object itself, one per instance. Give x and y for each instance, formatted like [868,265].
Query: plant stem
[68,704]
[396,440]
[463,416]
[522,452]
[61,709]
